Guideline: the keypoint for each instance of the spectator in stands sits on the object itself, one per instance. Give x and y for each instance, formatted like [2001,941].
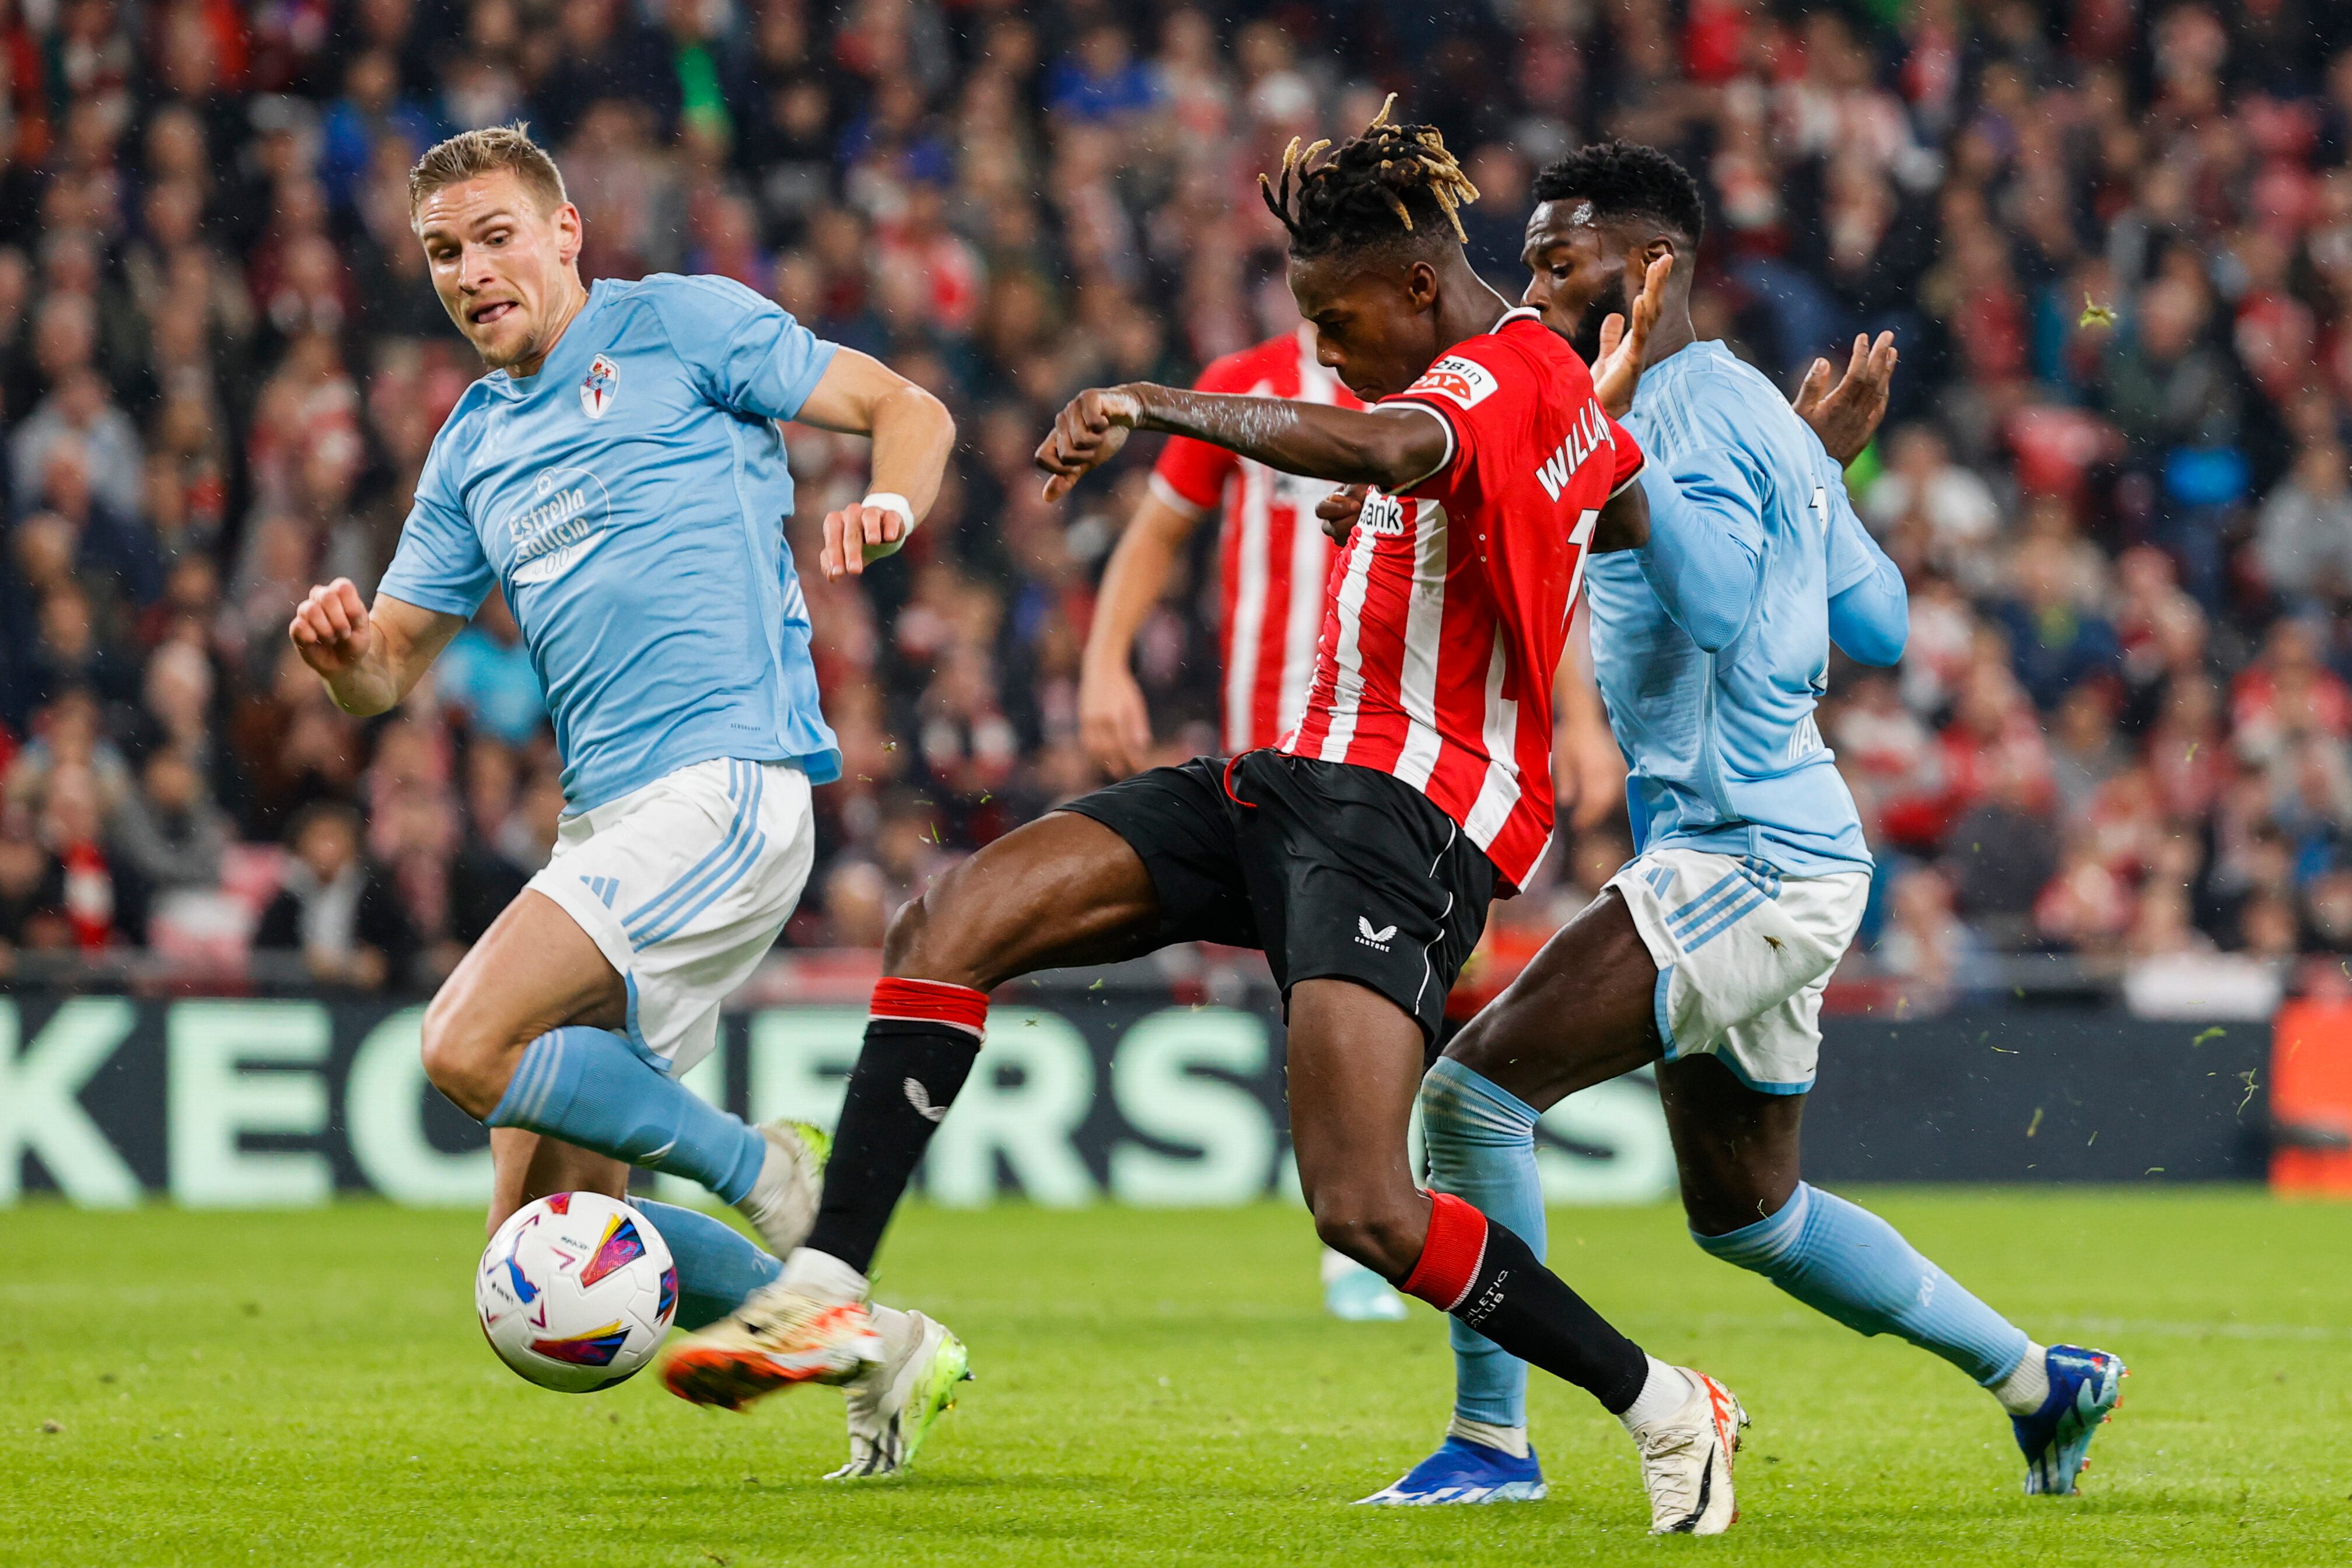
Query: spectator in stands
[338,911]
[2304,542]
[32,898]
[2055,638]
[2116,477]
[79,410]
[168,833]
[101,904]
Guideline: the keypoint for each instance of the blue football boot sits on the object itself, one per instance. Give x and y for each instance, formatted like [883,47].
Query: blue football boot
[2085,1385]
[1464,1471]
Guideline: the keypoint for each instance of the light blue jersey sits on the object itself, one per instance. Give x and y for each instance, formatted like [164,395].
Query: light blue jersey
[630,500]
[1711,644]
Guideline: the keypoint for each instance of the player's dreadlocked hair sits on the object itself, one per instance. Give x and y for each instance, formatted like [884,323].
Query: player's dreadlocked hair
[1625,179]
[1394,183]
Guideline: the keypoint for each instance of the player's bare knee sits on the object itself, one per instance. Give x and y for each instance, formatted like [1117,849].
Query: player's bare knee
[924,939]
[1385,1238]
[461,1059]
[902,939]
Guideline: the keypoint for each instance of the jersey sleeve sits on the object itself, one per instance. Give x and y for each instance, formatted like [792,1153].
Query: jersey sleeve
[1189,476]
[746,354]
[439,564]
[1468,396]
[1852,554]
[1631,459]
[1870,608]
[1706,551]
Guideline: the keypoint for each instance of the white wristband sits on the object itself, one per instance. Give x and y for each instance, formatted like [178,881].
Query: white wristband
[890,500]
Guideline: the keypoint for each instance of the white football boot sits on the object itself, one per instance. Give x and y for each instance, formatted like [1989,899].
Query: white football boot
[779,1338]
[1686,1460]
[894,1402]
[781,1204]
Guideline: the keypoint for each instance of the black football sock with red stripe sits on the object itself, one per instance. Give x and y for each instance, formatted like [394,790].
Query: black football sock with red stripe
[921,1041]
[1483,1274]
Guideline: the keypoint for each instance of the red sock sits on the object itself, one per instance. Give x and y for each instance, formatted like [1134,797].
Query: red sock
[1489,1278]
[931,1002]
[1451,1256]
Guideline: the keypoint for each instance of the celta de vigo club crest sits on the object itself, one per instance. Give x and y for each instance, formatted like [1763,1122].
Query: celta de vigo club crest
[599,386]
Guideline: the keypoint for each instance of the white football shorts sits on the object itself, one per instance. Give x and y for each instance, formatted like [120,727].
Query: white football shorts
[684,885]
[1742,955]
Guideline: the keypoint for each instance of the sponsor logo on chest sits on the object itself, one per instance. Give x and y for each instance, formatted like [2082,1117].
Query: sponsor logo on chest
[1383,514]
[1588,434]
[565,516]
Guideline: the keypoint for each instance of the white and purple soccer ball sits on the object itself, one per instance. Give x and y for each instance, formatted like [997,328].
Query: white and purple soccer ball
[575,1291]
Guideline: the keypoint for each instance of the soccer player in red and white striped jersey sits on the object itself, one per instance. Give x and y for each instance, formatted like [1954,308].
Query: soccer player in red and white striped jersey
[1449,609]
[1360,854]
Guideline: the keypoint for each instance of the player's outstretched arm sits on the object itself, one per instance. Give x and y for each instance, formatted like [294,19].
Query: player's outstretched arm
[1394,448]
[1113,720]
[913,435]
[370,660]
[1845,416]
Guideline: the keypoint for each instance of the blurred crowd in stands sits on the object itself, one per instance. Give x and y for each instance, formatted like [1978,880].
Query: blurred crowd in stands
[2115,245]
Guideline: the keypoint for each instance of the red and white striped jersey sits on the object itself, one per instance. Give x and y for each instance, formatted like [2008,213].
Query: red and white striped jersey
[1449,606]
[1275,557]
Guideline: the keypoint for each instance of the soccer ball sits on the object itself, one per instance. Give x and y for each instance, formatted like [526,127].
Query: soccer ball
[575,1291]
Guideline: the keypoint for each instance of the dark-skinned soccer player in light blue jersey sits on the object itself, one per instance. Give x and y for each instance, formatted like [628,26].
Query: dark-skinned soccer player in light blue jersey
[1708,952]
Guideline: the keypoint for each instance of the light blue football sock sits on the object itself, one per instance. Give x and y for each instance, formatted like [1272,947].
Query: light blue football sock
[1482,1149]
[587,1087]
[1847,1262]
[719,1268]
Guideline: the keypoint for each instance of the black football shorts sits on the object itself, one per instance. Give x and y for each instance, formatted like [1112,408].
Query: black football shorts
[1331,869]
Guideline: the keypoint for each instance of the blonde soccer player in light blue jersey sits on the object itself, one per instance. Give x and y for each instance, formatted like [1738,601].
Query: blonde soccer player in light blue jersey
[619,475]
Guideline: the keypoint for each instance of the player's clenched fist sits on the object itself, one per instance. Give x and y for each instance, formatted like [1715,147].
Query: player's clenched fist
[330,627]
[1086,434]
[1338,510]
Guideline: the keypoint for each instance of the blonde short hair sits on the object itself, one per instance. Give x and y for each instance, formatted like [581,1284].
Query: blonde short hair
[470,155]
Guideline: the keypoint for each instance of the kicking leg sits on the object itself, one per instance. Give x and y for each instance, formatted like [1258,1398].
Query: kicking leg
[1479,1106]
[1062,891]
[1737,1152]
[524,1035]
[1355,1064]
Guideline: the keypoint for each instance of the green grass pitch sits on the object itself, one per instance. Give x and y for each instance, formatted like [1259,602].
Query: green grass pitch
[1154,1387]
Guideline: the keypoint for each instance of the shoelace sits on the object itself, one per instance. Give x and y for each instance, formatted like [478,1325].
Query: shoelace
[788,1317]
[1677,1485]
